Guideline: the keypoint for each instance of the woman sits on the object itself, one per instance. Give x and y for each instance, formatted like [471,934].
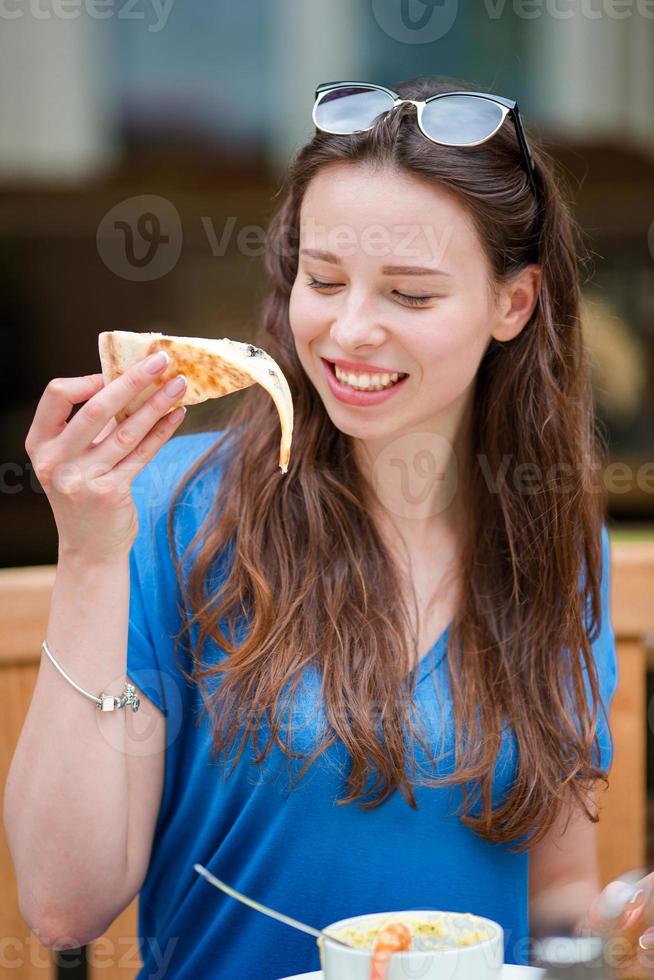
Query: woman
[375,646]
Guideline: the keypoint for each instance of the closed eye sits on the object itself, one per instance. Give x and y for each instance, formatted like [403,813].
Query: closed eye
[412,300]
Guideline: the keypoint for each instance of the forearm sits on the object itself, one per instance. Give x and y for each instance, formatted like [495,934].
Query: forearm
[65,810]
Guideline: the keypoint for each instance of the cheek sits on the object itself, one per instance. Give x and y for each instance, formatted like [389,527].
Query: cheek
[466,317]
[303,316]
[451,346]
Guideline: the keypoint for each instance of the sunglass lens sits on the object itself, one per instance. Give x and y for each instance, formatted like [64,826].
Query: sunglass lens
[350,110]
[459,120]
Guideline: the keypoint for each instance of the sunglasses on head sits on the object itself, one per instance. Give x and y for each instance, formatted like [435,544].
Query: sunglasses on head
[449,118]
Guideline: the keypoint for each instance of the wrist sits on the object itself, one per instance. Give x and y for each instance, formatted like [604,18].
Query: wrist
[84,562]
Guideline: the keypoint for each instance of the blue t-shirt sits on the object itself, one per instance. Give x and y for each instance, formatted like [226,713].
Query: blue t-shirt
[293,849]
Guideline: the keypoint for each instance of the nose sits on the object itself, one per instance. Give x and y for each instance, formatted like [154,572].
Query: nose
[357,326]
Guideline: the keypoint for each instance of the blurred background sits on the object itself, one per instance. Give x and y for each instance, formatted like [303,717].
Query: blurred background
[142,143]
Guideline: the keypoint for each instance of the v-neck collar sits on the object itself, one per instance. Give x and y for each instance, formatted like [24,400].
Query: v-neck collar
[433,657]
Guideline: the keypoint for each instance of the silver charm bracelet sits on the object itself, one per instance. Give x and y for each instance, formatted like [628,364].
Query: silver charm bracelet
[106,702]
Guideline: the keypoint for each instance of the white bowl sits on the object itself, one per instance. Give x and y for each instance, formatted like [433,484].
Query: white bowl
[480,959]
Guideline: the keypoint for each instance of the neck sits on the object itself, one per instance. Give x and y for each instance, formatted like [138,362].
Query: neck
[417,477]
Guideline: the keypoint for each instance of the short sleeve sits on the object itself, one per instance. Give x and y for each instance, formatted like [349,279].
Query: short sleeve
[146,626]
[155,601]
[606,661]
[142,663]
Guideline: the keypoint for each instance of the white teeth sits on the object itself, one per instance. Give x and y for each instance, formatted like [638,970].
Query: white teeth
[366,382]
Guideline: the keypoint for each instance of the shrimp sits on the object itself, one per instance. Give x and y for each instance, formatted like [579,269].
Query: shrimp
[392,938]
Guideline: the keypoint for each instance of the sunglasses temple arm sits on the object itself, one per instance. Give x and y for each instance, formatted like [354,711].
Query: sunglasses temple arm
[524,146]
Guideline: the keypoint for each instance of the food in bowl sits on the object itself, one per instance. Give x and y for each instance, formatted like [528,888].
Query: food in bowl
[429,945]
[394,937]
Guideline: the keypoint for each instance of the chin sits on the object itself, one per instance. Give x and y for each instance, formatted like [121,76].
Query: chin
[363,428]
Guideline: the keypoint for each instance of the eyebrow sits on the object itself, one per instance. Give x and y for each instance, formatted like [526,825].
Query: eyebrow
[387,270]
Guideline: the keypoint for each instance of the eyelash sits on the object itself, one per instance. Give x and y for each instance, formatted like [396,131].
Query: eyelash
[412,300]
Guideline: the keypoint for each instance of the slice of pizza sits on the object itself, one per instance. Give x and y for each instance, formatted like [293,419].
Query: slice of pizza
[212,368]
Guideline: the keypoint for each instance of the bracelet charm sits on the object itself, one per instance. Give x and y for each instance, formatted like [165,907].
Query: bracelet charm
[106,702]
[131,698]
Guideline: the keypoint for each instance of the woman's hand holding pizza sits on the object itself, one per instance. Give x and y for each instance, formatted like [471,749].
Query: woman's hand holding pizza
[86,465]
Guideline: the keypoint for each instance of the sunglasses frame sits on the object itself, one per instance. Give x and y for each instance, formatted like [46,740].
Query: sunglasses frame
[509,107]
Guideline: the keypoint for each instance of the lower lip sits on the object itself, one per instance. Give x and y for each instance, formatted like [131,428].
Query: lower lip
[351,397]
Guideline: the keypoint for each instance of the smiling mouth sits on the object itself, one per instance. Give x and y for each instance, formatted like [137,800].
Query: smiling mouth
[366,380]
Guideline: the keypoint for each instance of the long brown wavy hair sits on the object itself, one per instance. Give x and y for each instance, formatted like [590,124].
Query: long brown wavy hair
[308,568]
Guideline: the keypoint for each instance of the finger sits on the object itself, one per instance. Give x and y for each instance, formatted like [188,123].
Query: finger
[128,434]
[108,429]
[617,902]
[150,445]
[634,921]
[94,416]
[56,404]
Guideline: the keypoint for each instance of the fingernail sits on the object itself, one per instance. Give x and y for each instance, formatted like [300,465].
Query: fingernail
[175,385]
[646,941]
[631,918]
[157,361]
[636,897]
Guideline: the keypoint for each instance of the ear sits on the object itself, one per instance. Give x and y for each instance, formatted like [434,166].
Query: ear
[516,302]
